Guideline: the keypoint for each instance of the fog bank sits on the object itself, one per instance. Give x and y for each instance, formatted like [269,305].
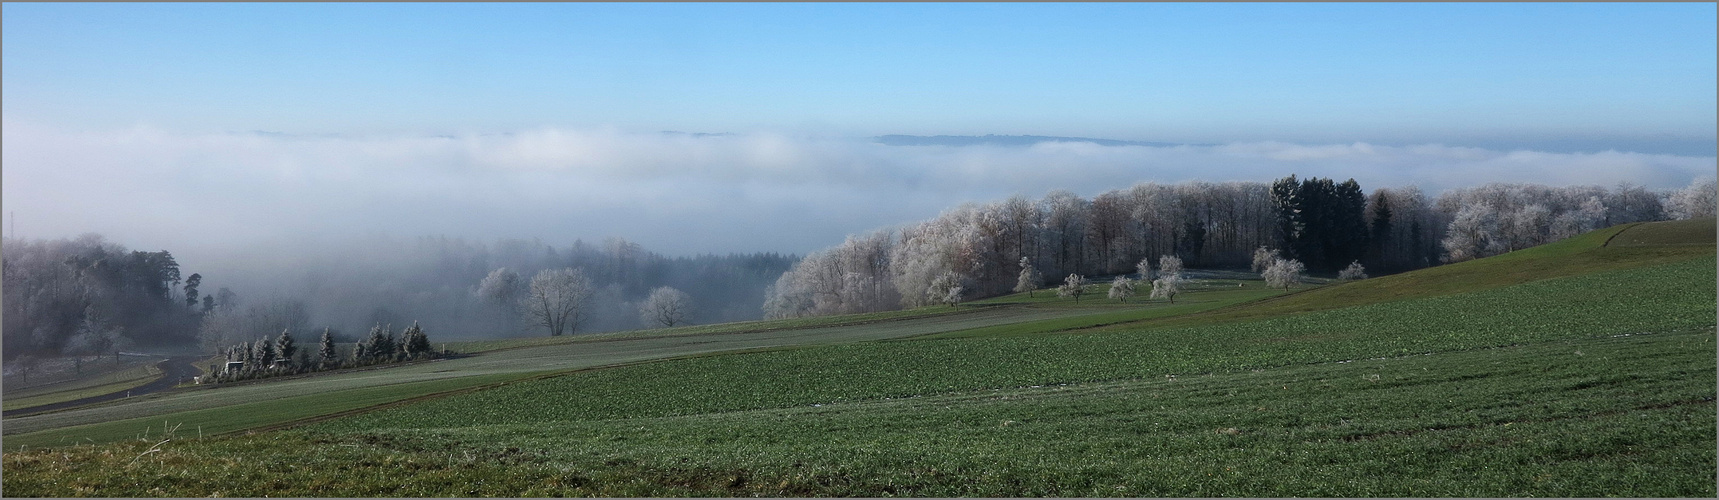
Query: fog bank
[235,195]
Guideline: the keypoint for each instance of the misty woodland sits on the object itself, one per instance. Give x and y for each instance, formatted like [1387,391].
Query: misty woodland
[88,296]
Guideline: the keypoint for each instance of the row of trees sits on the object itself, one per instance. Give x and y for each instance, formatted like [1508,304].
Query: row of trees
[559,300]
[441,283]
[282,356]
[87,296]
[1323,225]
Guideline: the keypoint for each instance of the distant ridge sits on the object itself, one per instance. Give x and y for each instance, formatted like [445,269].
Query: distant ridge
[1005,140]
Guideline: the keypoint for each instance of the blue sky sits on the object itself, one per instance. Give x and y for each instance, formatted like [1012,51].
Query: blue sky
[1383,73]
[218,129]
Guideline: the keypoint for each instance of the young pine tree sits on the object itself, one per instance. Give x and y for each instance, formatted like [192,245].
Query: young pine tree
[414,342]
[286,347]
[326,354]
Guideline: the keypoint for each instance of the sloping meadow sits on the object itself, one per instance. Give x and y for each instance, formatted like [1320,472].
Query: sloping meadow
[1593,385]
[1678,296]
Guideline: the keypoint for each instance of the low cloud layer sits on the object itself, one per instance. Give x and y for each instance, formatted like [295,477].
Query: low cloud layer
[217,194]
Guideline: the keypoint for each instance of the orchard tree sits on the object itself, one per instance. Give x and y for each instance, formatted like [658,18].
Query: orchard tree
[1169,282]
[1121,288]
[1029,279]
[947,289]
[1144,268]
[1073,286]
[557,300]
[666,307]
[1167,286]
[1284,272]
[1353,272]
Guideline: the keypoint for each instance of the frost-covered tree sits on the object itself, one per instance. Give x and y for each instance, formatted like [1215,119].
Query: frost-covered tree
[1528,226]
[1073,286]
[1169,282]
[1697,200]
[783,300]
[1472,234]
[1121,288]
[326,355]
[379,346]
[1587,216]
[263,353]
[95,335]
[414,343]
[1354,272]
[665,307]
[502,288]
[557,300]
[947,289]
[1632,203]
[955,295]
[1167,286]
[1170,264]
[1283,273]
[859,275]
[1262,258]
[1029,278]
[286,347]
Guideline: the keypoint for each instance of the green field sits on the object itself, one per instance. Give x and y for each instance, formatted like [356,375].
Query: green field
[284,398]
[1581,368]
[94,385]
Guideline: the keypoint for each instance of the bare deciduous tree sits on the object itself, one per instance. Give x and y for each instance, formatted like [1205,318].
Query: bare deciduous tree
[666,307]
[556,300]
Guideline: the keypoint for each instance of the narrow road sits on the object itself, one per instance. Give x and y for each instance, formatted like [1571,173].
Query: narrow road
[173,372]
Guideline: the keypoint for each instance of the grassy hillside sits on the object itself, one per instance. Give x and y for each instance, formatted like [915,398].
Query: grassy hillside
[1659,243]
[1599,382]
[1668,297]
[95,384]
[275,402]
[1553,419]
